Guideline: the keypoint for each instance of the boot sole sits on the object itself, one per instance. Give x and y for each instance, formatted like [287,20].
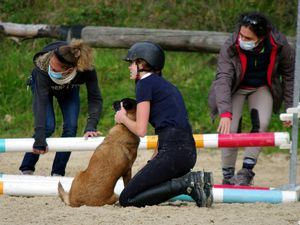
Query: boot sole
[208,184]
[199,189]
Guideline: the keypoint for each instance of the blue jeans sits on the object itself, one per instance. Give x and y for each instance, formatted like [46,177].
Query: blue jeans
[69,105]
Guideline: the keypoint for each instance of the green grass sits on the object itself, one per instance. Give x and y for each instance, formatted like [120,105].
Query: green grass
[191,72]
[213,15]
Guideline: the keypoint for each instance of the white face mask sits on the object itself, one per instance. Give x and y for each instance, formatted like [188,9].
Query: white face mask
[247,45]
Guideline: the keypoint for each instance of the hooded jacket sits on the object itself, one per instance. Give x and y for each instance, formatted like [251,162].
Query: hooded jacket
[45,87]
[232,64]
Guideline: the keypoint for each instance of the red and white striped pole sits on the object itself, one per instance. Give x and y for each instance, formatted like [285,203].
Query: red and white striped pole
[279,139]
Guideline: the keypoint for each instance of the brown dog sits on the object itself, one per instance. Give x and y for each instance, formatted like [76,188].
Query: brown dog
[112,159]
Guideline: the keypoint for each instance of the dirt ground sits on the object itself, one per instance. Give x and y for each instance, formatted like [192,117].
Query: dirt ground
[271,170]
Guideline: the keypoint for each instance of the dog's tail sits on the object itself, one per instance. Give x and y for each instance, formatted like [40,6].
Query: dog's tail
[64,196]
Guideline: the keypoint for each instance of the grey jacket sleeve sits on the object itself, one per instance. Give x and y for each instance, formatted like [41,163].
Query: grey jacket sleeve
[287,70]
[224,79]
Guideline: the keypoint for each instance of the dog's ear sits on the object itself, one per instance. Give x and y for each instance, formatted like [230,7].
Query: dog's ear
[116,105]
[129,103]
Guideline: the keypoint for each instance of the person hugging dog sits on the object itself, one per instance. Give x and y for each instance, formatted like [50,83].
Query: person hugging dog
[159,102]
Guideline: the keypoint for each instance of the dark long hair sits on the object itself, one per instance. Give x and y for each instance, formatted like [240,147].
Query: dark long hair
[256,22]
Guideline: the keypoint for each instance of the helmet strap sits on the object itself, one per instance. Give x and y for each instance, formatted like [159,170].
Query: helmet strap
[140,70]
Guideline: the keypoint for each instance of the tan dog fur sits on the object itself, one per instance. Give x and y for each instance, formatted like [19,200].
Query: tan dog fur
[112,159]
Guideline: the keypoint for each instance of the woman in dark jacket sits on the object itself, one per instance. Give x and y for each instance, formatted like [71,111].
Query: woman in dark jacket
[60,68]
[255,64]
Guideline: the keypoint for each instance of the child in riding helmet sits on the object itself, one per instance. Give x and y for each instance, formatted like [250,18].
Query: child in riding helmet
[159,102]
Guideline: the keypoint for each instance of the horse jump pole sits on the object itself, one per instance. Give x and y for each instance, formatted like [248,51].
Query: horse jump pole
[29,185]
[279,139]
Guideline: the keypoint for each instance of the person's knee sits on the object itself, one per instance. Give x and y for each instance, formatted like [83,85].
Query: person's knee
[69,131]
[264,125]
[123,200]
[259,124]
[49,130]
[255,121]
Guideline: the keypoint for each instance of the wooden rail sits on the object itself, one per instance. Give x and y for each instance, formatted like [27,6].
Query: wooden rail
[121,37]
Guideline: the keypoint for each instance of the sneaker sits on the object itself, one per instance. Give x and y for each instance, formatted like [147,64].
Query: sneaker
[208,185]
[227,181]
[228,173]
[27,172]
[244,177]
[195,188]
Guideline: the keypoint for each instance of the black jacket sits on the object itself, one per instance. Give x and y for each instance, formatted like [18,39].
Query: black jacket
[45,87]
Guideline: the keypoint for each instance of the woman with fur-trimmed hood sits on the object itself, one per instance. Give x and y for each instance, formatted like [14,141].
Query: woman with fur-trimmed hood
[60,69]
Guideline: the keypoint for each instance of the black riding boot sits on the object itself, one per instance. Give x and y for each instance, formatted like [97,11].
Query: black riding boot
[191,184]
[208,185]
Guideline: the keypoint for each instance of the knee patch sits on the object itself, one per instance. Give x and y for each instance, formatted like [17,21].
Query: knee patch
[239,130]
[70,131]
[255,121]
[49,131]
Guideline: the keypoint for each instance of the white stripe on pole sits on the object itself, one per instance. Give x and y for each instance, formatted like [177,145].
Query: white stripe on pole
[32,188]
[218,194]
[210,140]
[9,177]
[281,138]
[143,143]
[290,196]
[59,144]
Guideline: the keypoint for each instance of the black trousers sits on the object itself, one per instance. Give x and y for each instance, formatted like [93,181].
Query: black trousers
[176,157]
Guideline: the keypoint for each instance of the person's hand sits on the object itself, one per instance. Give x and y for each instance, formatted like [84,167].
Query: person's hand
[120,116]
[287,123]
[40,152]
[224,125]
[91,134]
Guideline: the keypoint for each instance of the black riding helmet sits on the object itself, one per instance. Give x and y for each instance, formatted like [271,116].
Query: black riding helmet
[151,52]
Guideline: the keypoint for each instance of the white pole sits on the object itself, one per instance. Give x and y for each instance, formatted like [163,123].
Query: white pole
[27,185]
[149,142]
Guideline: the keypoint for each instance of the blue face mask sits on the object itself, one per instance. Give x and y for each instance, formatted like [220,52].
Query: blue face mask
[247,45]
[57,75]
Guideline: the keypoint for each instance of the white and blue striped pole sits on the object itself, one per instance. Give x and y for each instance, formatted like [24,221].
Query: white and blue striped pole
[230,195]
[27,185]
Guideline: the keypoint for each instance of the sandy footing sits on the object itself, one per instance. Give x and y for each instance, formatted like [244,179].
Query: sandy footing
[271,170]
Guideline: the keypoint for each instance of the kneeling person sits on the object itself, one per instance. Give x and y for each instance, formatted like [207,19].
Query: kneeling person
[159,102]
